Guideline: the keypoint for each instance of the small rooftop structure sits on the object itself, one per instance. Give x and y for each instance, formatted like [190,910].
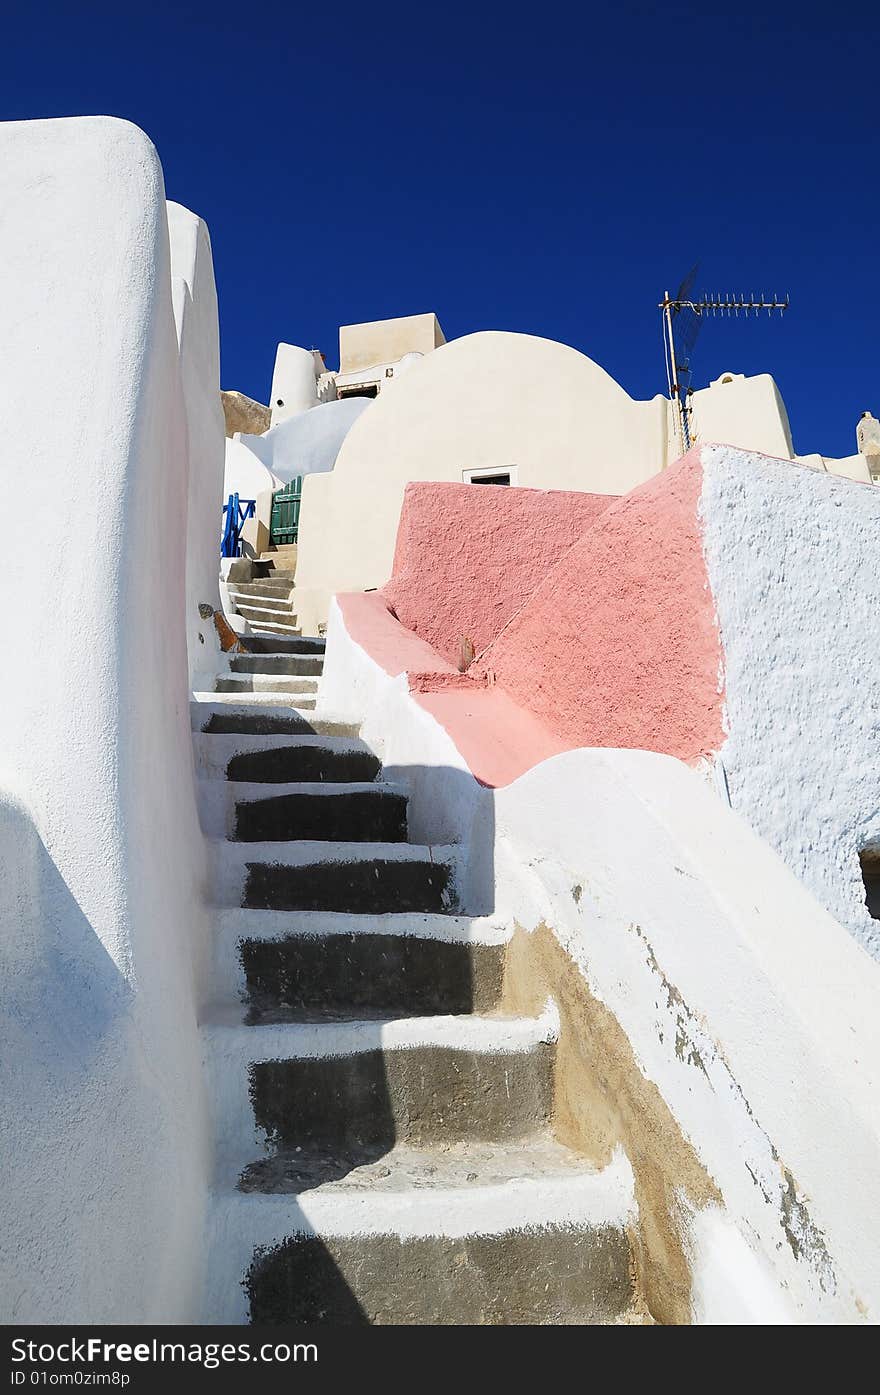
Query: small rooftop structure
[372,353]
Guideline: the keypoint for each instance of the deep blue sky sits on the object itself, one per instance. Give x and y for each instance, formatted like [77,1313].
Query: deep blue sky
[552,173]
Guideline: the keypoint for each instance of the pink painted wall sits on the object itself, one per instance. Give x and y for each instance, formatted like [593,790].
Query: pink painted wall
[469,556]
[619,646]
[498,738]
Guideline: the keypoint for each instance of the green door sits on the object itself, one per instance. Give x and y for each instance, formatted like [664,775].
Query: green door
[284,524]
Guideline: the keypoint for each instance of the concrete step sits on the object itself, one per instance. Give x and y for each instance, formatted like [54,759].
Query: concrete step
[328,755]
[461,1165]
[227,719]
[353,813]
[284,701]
[276,602]
[268,644]
[306,702]
[553,1276]
[367,1100]
[537,1239]
[301,875]
[272,573]
[459,935]
[305,761]
[268,588]
[295,665]
[321,977]
[255,812]
[358,1084]
[270,627]
[264,683]
[257,609]
[354,877]
[275,631]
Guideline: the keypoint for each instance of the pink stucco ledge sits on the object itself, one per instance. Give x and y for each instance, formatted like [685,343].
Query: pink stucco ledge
[498,739]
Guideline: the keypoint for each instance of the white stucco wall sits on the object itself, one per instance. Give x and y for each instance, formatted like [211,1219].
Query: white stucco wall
[244,474]
[308,443]
[101,920]
[490,399]
[753,1012]
[194,297]
[294,382]
[792,563]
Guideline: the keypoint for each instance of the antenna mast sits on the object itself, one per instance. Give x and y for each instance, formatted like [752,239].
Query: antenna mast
[677,348]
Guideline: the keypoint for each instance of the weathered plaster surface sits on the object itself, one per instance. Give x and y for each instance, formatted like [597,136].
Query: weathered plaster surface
[769,1069]
[618,645]
[497,545]
[792,561]
[749,1010]
[604,1102]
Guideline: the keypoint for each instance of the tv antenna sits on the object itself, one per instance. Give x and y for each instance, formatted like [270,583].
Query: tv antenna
[682,318]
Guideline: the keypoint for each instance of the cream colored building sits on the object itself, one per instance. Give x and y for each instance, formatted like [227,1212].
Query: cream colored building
[372,355]
[749,412]
[493,406]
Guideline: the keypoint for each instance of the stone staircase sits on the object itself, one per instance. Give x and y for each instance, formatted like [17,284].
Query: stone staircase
[384,1148]
[266,602]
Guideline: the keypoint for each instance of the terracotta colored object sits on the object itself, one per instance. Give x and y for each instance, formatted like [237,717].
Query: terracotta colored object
[468,557]
[229,640]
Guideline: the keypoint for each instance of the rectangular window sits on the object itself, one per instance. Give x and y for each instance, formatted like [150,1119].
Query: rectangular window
[491,475]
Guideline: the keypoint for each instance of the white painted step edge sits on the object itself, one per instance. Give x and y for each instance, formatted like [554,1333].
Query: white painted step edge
[243,922]
[255,699]
[262,630]
[230,1040]
[249,791]
[215,704]
[260,602]
[262,606]
[305,684]
[284,612]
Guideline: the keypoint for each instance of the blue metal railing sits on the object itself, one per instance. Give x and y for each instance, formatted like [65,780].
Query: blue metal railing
[236,512]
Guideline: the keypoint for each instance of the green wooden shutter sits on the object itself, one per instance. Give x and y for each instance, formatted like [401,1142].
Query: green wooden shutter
[284,525]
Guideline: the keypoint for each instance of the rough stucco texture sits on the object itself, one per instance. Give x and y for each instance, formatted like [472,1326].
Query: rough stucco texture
[469,556]
[618,646]
[103,1118]
[792,559]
